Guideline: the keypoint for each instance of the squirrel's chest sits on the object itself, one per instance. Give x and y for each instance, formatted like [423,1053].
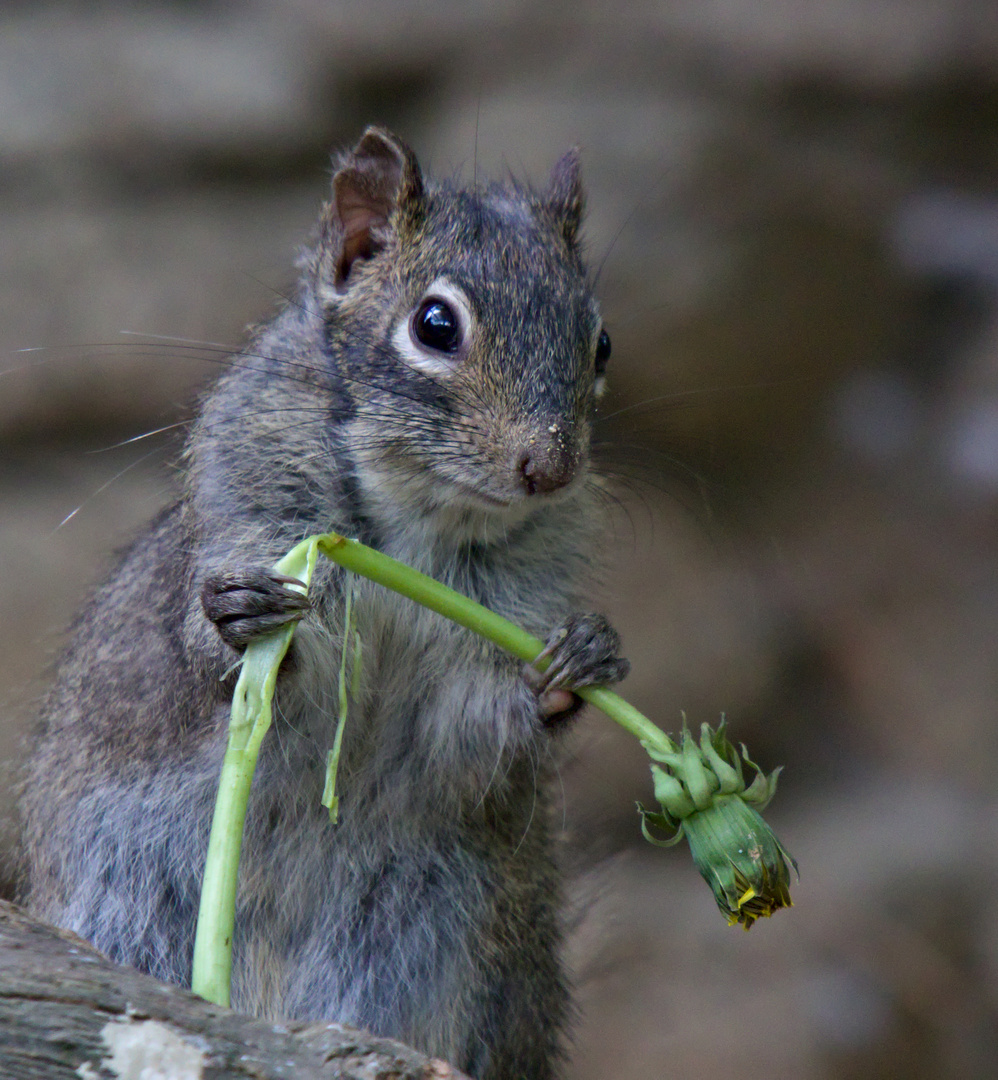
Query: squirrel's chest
[433,712]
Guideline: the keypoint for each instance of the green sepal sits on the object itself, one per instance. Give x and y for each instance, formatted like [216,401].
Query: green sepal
[671,794]
[672,758]
[762,789]
[660,821]
[716,749]
[699,782]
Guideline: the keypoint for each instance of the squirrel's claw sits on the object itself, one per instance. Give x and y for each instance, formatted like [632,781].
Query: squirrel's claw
[245,602]
[583,652]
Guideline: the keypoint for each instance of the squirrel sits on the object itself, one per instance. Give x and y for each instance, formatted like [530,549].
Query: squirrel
[429,388]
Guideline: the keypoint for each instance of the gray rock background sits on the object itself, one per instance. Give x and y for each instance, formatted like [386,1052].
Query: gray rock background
[794,207]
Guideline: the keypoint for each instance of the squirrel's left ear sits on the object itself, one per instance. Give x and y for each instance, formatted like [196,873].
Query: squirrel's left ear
[377,186]
[565,196]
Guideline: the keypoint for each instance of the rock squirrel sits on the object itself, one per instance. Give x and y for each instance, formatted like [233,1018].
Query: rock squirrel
[429,388]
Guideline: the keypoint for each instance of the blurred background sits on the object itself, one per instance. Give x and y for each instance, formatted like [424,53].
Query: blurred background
[794,209]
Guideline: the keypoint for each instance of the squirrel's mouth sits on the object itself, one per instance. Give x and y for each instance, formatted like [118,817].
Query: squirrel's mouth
[474,498]
[518,502]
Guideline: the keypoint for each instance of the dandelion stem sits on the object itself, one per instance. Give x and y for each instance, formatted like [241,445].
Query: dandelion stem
[251,717]
[355,556]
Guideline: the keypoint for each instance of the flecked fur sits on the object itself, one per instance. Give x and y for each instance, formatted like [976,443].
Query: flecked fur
[431,913]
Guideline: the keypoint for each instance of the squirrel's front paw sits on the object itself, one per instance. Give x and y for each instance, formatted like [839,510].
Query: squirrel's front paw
[583,652]
[245,602]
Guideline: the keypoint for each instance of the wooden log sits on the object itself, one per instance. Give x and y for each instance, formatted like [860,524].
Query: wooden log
[67,1012]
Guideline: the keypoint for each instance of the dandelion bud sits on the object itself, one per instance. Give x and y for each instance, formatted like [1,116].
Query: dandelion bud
[703,796]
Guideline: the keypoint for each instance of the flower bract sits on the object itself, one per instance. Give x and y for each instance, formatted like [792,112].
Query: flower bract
[701,789]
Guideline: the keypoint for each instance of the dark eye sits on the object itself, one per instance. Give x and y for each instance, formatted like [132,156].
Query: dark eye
[602,351]
[435,326]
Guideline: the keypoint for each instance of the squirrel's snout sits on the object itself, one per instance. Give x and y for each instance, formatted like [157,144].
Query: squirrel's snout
[544,468]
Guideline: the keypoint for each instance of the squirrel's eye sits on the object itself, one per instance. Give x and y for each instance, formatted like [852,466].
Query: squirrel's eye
[602,351]
[436,326]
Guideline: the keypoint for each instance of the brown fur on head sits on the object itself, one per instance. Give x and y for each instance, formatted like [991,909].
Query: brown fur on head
[502,416]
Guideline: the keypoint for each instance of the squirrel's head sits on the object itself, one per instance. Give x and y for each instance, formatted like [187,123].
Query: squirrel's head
[463,323]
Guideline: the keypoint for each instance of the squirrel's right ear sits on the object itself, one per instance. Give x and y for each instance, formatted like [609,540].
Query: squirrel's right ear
[377,187]
[565,197]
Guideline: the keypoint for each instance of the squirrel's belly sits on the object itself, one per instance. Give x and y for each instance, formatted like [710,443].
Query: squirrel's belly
[395,939]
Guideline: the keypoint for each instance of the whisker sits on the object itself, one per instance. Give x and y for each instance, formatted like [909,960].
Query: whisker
[93,495]
[139,438]
[707,391]
[178,340]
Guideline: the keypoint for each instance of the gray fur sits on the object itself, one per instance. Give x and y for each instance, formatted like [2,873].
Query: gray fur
[431,912]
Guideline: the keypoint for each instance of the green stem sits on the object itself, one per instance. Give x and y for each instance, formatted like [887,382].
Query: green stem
[251,714]
[211,975]
[453,605]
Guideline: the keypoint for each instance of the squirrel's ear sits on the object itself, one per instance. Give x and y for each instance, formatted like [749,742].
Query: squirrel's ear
[377,187]
[565,196]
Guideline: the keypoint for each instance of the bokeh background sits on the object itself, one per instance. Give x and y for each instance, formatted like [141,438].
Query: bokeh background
[794,208]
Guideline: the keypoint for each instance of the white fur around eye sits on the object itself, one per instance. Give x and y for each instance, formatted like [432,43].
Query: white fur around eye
[418,356]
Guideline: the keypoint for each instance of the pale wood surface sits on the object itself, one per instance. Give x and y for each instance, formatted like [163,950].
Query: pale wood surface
[67,1011]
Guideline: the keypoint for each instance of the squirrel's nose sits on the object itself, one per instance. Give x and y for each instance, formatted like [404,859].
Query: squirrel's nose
[544,468]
